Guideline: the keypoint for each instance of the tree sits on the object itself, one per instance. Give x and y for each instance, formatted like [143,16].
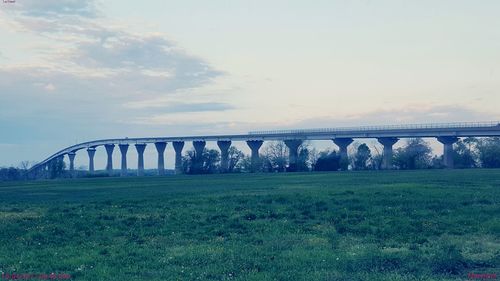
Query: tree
[10,174]
[57,167]
[235,156]
[471,143]
[188,162]
[328,161]
[244,165]
[489,152]
[303,159]
[362,157]
[437,162]
[464,153]
[208,163]
[417,154]
[275,155]
[377,159]
[24,165]
[211,160]
[313,158]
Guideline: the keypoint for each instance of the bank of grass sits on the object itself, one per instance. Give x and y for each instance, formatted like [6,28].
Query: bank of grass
[394,225]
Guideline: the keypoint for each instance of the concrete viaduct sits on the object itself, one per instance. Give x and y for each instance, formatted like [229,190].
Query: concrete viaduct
[447,134]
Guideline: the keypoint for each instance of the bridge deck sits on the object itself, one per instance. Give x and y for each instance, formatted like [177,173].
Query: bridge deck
[471,129]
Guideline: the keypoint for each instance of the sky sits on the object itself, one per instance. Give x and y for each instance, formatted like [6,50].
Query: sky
[79,70]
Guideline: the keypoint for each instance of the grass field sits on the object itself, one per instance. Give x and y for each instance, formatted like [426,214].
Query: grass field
[394,225]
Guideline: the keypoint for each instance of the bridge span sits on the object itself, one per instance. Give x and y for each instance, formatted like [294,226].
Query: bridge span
[446,133]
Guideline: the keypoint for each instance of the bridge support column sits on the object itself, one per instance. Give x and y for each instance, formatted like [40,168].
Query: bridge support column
[71,157]
[255,158]
[123,150]
[140,147]
[224,152]
[293,149]
[448,142]
[199,146]
[343,143]
[178,146]
[91,152]
[387,154]
[160,148]
[109,151]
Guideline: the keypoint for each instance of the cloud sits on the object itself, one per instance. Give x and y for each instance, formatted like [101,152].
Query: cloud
[58,8]
[180,107]
[150,56]
[80,70]
[49,87]
[407,114]
[95,67]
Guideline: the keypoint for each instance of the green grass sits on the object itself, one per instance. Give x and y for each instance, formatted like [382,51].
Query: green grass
[394,225]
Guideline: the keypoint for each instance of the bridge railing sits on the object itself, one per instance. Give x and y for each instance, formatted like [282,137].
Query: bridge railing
[384,127]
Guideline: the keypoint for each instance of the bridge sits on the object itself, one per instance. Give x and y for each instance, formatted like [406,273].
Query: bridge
[445,133]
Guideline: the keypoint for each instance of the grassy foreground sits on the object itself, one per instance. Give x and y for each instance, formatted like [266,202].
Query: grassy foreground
[394,225]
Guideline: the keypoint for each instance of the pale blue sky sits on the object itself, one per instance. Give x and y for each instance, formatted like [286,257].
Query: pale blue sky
[73,71]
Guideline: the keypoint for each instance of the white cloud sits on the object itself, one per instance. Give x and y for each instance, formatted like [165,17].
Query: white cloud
[50,87]
[96,65]
[71,81]
[58,8]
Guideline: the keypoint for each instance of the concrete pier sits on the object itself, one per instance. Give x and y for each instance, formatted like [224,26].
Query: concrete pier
[178,146]
[123,150]
[109,164]
[160,148]
[91,152]
[293,150]
[199,146]
[71,157]
[140,147]
[343,143]
[387,154]
[448,142]
[224,152]
[255,158]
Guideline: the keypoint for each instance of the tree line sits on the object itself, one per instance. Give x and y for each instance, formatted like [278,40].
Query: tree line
[414,154]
